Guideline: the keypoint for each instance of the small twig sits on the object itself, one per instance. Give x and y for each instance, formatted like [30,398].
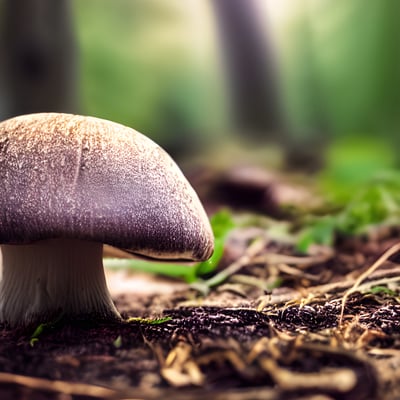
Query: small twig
[340,380]
[180,369]
[378,278]
[294,271]
[204,286]
[384,257]
[300,262]
[71,388]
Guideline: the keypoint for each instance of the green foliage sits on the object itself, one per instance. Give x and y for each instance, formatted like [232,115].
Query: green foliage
[319,231]
[361,197]
[374,203]
[351,163]
[340,64]
[221,223]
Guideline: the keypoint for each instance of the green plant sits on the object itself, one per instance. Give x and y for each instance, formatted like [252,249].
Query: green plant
[373,204]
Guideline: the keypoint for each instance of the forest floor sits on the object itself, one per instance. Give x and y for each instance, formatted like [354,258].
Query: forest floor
[283,325]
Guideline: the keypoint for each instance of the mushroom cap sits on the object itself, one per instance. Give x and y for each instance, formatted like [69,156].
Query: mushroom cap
[70,176]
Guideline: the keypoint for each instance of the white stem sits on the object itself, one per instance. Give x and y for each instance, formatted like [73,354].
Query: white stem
[53,277]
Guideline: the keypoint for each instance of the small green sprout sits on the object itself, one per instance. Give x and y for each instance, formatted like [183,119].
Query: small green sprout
[42,328]
[117,343]
[382,290]
[149,321]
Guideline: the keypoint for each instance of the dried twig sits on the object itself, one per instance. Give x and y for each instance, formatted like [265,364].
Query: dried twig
[180,369]
[300,262]
[376,279]
[341,380]
[70,388]
[256,247]
[384,257]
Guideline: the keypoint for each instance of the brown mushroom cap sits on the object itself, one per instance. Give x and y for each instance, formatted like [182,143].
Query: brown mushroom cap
[70,176]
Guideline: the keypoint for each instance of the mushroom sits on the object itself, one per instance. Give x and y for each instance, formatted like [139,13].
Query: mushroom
[70,184]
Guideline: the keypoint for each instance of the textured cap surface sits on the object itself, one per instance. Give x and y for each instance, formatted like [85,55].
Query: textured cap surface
[81,177]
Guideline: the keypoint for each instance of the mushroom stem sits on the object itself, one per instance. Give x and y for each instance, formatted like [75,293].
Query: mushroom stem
[49,277]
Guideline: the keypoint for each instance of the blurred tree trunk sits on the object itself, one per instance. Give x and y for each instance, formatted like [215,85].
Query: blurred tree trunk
[37,57]
[250,65]
[255,89]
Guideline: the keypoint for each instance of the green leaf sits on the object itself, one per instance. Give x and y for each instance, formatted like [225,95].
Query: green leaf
[382,290]
[222,223]
[320,231]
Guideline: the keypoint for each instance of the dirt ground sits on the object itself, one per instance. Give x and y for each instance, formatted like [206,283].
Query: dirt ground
[282,326]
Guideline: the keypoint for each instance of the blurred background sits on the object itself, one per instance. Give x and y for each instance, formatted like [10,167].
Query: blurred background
[304,85]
